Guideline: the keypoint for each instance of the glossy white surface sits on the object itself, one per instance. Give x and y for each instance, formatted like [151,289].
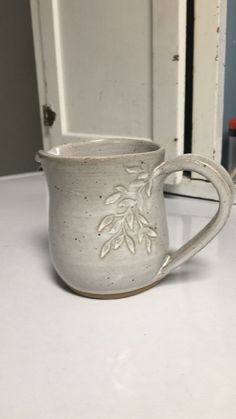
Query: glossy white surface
[167,353]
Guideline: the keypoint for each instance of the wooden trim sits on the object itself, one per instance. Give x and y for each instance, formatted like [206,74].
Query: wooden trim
[169,43]
[208,78]
[168,47]
[40,71]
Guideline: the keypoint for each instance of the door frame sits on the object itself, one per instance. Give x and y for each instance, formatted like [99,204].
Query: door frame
[168,73]
[169,37]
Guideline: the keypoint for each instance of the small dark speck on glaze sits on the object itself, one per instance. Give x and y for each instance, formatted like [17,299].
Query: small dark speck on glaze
[76,238]
[132,280]
[100,196]
[142,162]
[85,197]
[175,139]
[108,277]
[204,165]
[99,234]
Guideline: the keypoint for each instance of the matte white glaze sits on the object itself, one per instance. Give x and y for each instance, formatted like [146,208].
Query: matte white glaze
[107,224]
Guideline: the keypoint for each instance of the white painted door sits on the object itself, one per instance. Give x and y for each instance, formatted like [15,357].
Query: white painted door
[112,67]
[208,81]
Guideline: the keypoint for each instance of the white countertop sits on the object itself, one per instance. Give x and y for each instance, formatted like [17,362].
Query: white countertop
[168,353]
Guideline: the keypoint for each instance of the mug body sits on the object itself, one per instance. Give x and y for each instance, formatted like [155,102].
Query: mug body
[107,224]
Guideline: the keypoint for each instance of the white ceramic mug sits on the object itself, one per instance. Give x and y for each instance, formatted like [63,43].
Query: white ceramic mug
[108,230]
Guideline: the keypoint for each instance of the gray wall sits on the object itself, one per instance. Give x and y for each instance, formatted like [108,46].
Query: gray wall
[19,110]
[230,73]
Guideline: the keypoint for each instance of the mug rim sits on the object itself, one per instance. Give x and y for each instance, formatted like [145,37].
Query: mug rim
[53,153]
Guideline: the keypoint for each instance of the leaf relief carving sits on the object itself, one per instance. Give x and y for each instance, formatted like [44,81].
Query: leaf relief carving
[128,225]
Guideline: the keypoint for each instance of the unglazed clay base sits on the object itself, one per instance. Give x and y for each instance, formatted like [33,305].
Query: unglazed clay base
[115,295]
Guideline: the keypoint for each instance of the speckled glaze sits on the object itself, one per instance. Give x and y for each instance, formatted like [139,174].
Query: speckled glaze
[107,224]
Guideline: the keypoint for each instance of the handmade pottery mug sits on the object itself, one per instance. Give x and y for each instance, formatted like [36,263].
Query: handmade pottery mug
[108,230]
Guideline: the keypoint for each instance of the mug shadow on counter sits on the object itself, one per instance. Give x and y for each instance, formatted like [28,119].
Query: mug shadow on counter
[183,274]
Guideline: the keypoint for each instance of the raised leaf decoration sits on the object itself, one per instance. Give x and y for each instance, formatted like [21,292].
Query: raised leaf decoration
[134,169]
[148,188]
[140,235]
[113,198]
[151,232]
[143,219]
[121,189]
[130,219]
[105,249]
[148,244]
[106,221]
[128,225]
[143,176]
[115,227]
[137,183]
[117,242]
[126,202]
[130,243]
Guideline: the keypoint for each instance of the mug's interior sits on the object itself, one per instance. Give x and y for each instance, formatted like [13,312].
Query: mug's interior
[104,147]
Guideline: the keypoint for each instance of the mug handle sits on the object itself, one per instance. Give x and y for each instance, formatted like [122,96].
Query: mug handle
[223,184]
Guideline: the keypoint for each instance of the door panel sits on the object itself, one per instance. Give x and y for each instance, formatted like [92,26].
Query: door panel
[208,82]
[111,68]
[108,74]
